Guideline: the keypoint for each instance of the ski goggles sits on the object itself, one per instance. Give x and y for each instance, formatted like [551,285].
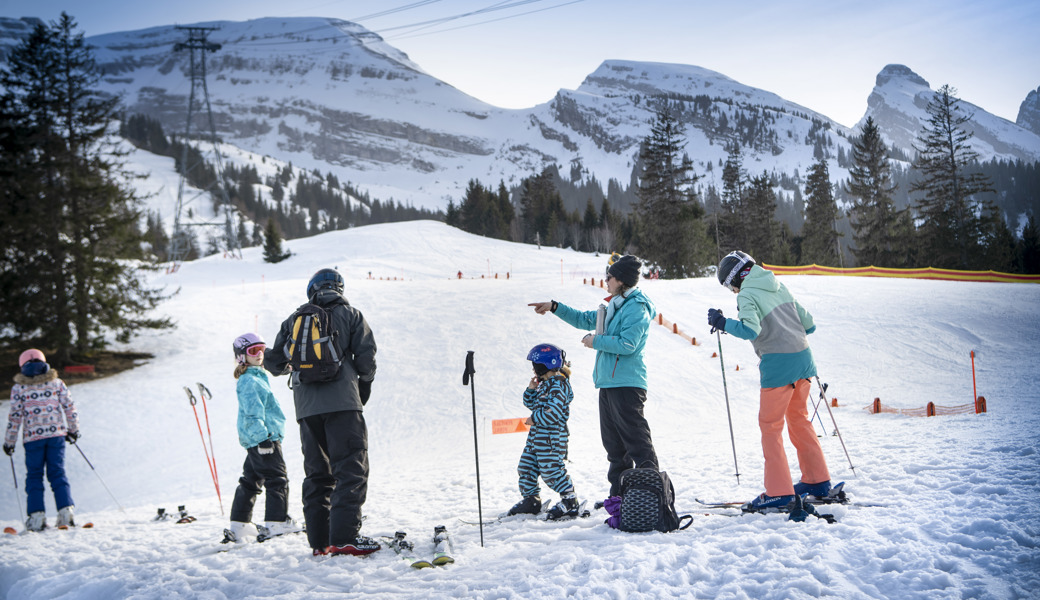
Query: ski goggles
[256,350]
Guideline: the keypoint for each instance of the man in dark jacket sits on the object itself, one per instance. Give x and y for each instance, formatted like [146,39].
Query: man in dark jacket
[332,427]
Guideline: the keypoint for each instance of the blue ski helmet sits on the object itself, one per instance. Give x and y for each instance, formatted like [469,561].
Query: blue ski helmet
[325,279]
[548,356]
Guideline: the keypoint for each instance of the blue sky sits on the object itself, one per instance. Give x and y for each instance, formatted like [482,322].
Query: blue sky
[823,55]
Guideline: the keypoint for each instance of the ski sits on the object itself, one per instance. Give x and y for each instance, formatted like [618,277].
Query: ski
[405,550]
[263,533]
[442,546]
[837,495]
[506,517]
[13,531]
[582,514]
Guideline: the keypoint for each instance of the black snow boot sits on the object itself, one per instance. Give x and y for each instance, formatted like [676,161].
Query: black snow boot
[530,505]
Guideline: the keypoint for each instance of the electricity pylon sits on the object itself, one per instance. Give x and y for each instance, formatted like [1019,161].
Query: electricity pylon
[195,163]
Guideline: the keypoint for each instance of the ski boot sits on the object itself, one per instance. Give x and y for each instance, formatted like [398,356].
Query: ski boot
[65,517]
[360,546]
[37,521]
[530,505]
[567,507]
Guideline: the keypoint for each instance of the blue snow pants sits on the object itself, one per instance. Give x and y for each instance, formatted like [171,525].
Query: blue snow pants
[46,454]
[543,456]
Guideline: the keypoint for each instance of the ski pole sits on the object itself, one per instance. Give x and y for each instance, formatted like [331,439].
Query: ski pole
[15,477]
[212,473]
[836,430]
[733,443]
[816,410]
[76,446]
[467,379]
[204,391]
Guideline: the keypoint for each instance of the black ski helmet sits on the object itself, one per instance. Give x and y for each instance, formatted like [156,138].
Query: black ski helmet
[325,279]
[731,266]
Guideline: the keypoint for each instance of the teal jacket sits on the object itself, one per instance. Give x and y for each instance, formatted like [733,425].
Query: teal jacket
[619,351]
[260,416]
[777,326]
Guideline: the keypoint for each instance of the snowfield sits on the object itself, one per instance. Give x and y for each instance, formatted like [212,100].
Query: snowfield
[959,515]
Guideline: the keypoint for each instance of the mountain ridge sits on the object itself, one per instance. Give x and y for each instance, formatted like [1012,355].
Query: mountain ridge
[332,96]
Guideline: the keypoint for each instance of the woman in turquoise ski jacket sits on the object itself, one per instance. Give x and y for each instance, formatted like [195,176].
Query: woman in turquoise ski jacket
[620,371]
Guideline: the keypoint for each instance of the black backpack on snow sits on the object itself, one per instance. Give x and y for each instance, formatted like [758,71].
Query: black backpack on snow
[311,347]
[648,502]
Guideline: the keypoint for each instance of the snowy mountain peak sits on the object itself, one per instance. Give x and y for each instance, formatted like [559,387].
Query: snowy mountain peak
[898,74]
[1029,112]
[899,105]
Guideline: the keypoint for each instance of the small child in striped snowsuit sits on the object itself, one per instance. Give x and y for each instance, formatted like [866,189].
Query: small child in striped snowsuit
[548,396]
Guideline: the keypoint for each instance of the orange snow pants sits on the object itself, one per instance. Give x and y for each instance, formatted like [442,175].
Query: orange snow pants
[776,405]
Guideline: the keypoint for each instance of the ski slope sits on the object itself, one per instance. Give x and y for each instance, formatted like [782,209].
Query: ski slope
[960,516]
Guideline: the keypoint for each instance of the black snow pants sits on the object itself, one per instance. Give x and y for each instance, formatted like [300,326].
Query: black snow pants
[335,462]
[262,471]
[625,433]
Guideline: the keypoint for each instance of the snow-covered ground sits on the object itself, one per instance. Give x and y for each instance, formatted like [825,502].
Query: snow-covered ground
[960,516]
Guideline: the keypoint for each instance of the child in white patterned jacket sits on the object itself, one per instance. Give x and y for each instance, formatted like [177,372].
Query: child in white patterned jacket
[38,400]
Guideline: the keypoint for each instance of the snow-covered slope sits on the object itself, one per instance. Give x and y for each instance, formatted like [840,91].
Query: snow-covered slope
[899,105]
[959,517]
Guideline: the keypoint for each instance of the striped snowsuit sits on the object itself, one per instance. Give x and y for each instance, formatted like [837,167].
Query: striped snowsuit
[546,446]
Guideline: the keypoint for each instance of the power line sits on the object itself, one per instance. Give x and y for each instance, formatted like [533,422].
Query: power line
[407,36]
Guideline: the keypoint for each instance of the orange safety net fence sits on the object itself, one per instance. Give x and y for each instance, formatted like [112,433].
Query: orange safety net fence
[930,410]
[925,273]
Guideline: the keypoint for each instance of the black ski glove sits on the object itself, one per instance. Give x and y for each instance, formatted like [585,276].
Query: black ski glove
[365,390]
[71,437]
[716,320]
[265,447]
[8,450]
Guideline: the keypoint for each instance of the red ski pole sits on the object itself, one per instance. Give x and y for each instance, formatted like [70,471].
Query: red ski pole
[974,390]
[204,392]
[212,473]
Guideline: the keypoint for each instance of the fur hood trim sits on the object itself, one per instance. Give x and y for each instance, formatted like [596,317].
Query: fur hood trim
[50,375]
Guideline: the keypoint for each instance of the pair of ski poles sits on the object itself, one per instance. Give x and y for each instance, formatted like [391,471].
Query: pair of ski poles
[211,455]
[14,476]
[823,389]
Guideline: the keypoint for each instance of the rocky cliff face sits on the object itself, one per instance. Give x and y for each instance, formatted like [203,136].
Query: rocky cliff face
[1029,112]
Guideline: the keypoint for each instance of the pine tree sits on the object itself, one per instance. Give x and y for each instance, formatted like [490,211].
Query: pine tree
[953,208]
[1027,251]
[672,230]
[873,215]
[731,227]
[78,285]
[541,208]
[273,252]
[763,240]
[819,239]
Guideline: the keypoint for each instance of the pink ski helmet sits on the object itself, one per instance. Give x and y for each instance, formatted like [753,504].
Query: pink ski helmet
[243,343]
[30,354]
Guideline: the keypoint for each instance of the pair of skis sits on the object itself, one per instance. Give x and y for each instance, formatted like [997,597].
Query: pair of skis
[541,515]
[162,515]
[405,549]
[13,531]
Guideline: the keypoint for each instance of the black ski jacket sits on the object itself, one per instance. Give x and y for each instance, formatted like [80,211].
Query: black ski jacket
[354,342]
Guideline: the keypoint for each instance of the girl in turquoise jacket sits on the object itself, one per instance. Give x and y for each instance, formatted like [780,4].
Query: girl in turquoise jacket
[261,429]
[620,371]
